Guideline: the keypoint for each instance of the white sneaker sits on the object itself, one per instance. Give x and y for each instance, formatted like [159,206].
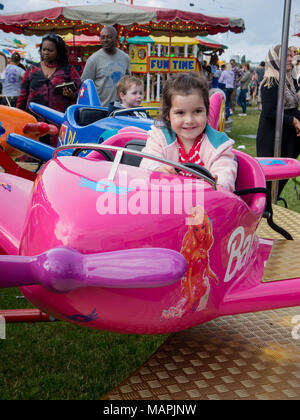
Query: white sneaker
[242,115]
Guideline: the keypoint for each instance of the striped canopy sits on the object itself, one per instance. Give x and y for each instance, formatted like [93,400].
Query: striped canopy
[90,18]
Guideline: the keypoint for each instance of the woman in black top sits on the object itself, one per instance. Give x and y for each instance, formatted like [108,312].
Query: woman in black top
[40,81]
[268,95]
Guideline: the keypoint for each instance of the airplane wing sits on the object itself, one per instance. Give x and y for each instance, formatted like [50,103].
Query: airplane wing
[279,168]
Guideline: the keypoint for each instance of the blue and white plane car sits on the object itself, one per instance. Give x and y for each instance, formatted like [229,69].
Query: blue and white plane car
[85,122]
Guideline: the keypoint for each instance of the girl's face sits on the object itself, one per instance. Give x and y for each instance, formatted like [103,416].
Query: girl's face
[188,116]
[133,97]
[48,52]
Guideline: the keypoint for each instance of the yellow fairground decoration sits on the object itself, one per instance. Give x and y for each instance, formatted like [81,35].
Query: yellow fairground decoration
[138,58]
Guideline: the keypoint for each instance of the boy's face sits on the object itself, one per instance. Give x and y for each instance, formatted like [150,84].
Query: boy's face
[133,97]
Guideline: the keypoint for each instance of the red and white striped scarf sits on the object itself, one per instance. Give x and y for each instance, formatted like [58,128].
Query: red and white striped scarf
[193,156]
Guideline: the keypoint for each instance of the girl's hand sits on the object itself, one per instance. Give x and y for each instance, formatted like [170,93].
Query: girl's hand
[166,169]
[296,124]
[219,186]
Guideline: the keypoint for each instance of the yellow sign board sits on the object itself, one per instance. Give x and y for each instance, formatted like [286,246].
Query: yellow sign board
[181,64]
[138,58]
[141,63]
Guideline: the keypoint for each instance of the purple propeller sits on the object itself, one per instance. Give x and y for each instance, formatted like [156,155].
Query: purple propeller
[62,270]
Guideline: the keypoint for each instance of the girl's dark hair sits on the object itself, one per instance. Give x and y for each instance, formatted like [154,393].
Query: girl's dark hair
[182,84]
[60,45]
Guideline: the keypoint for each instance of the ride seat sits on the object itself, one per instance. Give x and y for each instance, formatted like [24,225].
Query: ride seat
[250,176]
[86,116]
[131,160]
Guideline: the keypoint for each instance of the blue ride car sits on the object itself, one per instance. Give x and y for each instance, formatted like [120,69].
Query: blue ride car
[85,122]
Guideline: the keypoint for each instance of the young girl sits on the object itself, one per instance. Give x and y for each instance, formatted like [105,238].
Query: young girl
[186,136]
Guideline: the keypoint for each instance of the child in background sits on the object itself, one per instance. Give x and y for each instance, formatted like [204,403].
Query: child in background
[130,93]
[186,136]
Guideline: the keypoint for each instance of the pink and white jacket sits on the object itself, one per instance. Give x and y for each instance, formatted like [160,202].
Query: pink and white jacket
[215,152]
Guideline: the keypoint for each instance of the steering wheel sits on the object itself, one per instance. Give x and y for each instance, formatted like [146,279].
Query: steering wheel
[107,154]
[105,151]
[198,168]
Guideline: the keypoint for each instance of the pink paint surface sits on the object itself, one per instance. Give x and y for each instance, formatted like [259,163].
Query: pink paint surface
[67,208]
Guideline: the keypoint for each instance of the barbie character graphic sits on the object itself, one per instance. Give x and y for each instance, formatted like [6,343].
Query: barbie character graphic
[195,285]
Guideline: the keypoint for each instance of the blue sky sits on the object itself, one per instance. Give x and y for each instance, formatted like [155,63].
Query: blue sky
[263,20]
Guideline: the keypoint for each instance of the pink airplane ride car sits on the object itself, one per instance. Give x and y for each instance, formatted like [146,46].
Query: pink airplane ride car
[100,242]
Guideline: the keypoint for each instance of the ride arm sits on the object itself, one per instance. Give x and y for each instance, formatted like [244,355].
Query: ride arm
[31,147]
[48,113]
[11,167]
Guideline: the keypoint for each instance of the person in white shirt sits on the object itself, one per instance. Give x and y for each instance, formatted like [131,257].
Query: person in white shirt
[106,66]
[11,81]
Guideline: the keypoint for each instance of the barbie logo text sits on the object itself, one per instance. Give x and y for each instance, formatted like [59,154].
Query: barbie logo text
[238,248]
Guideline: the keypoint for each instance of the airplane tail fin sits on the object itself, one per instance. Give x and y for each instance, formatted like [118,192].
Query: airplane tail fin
[87,94]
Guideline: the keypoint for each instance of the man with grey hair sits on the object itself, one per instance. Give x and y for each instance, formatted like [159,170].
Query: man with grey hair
[107,66]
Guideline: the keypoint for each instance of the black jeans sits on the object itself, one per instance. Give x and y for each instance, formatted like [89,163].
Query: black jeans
[243,100]
[228,93]
[9,100]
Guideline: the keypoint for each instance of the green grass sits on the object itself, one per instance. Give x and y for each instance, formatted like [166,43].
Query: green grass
[63,361]
[57,360]
[243,128]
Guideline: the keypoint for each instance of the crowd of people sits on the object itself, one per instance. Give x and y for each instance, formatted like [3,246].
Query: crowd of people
[261,87]
[239,82]
[186,137]
[245,81]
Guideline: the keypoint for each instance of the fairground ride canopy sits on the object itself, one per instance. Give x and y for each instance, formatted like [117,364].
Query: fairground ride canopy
[204,43]
[210,44]
[90,18]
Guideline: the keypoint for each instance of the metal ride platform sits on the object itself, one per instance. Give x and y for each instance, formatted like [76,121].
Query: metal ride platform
[254,356]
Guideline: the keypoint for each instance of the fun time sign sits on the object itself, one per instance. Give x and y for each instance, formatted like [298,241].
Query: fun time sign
[177,64]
